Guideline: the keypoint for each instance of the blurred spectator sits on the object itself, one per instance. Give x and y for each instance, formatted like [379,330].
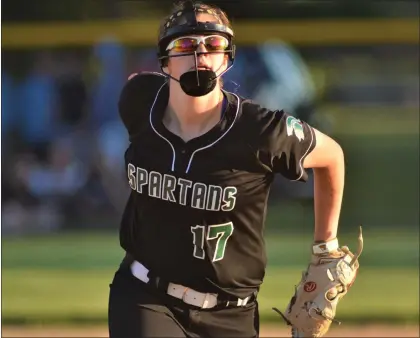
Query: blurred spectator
[112,142]
[8,115]
[109,62]
[73,109]
[62,177]
[248,73]
[52,187]
[72,94]
[36,104]
[22,211]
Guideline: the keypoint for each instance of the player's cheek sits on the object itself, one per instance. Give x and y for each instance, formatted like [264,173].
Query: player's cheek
[225,61]
[219,63]
[183,64]
[173,66]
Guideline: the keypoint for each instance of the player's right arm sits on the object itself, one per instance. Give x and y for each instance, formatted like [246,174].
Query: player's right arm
[136,99]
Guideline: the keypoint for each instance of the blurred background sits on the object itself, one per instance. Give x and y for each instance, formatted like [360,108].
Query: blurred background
[350,68]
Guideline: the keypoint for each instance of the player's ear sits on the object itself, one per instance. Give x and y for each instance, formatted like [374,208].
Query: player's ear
[167,68]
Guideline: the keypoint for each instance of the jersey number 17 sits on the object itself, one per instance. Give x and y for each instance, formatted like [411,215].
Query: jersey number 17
[218,233]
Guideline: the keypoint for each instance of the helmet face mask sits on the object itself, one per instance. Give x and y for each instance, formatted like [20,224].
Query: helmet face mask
[183,23]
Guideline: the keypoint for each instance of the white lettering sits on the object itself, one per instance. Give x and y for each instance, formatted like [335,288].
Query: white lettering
[194,194]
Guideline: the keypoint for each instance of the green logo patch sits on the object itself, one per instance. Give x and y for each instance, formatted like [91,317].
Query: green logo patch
[294,126]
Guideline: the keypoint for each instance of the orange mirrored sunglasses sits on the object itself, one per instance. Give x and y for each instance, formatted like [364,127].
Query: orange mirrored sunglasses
[213,43]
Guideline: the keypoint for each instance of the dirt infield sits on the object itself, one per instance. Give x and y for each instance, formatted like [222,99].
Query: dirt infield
[267,331]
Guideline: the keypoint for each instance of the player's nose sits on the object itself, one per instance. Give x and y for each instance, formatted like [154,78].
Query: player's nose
[201,48]
[203,60]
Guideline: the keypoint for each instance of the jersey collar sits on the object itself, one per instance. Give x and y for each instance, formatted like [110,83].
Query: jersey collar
[229,114]
[201,143]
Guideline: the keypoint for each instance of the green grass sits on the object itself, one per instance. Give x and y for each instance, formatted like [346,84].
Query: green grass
[382,180]
[65,278]
[376,120]
[67,296]
[70,251]
[35,296]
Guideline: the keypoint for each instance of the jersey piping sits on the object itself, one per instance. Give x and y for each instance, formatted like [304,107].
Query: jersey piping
[160,135]
[223,135]
[304,155]
[198,149]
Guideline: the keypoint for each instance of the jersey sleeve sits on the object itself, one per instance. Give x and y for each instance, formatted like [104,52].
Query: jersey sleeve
[286,141]
[136,99]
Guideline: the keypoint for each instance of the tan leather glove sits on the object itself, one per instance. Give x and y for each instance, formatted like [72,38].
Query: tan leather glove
[326,281]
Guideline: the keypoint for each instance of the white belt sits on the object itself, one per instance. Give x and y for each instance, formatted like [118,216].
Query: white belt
[187,295]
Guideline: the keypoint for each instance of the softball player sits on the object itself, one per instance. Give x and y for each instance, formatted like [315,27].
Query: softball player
[200,164]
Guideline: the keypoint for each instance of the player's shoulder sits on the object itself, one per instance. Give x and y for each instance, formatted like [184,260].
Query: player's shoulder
[258,117]
[261,125]
[144,83]
[137,97]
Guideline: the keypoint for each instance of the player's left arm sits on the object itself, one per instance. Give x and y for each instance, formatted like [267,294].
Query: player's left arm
[291,147]
[327,162]
[333,269]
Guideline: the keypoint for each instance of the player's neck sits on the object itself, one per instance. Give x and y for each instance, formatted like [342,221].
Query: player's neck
[190,117]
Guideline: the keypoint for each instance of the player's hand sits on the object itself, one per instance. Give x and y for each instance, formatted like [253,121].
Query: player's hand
[326,281]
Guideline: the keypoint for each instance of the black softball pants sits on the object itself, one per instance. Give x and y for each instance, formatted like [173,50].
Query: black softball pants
[137,310]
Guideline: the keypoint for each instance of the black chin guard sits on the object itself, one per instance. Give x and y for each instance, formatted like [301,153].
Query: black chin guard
[198,83]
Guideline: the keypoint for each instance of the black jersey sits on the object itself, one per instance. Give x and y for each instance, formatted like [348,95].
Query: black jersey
[196,211]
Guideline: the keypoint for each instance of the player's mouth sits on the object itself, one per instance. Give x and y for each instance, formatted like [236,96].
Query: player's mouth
[201,67]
